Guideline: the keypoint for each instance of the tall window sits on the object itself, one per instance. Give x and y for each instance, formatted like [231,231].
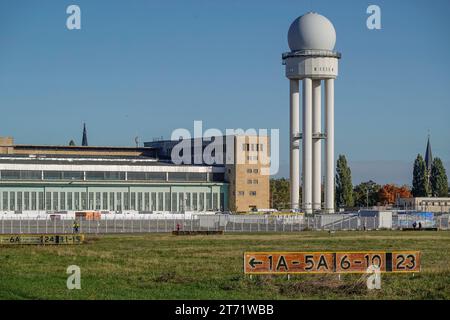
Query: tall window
[188,201]
[84,200]
[160,201]
[126,201]
[62,200]
[55,201]
[208,201]
[69,201]
[222,201]
[167,201]
[194,201]
[12,201]
[139,207]
[77,201]
[153,201]
[98,197]
[215,201]
[105,201]
[119,201]
[147,201]
[26,200]
[202,202]
[41,201]
[19,201]
[112,205]
[174,202]
[33,200]
[5,200]
[181,203]
[48,201]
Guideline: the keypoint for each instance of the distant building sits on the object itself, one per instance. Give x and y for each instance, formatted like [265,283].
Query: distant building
[437,205]
[241,158]
[65,178]
[144,179]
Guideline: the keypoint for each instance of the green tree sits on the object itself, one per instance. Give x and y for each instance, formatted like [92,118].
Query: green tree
[344,186]
[279,193]
[438,179]
[366,191]
[72,143]
[421,187]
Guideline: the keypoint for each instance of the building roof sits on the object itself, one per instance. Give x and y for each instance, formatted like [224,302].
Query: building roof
[20,162]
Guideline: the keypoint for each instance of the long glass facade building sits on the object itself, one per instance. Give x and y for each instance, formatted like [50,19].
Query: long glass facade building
[108,183]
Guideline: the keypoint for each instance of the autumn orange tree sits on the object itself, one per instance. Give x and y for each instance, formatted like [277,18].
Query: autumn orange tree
[389,192]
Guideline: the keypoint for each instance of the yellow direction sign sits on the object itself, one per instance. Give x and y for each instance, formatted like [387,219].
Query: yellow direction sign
[330,262]
[50,239]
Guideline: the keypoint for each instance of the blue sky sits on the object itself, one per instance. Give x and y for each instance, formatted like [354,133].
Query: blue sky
[144,68]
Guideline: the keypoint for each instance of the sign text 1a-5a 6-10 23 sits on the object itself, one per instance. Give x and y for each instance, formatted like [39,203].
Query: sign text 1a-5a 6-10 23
[330,262]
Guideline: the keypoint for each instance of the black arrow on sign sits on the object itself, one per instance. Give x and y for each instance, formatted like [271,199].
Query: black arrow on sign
[254,262]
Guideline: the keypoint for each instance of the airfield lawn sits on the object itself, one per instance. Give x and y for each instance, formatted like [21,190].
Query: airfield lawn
[162,266]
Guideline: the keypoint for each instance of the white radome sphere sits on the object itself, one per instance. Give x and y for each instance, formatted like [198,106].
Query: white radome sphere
[311,31]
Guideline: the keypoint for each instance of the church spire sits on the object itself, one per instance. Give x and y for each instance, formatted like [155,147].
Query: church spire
[428,155]
[84,142]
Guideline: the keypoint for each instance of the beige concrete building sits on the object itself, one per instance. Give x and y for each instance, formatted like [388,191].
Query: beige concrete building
[249,177]
[246,161]
[437,205]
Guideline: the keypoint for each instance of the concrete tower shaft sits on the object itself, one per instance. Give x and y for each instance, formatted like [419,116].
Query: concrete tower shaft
[313,66]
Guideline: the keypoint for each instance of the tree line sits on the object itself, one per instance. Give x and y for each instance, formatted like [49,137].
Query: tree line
[425,183]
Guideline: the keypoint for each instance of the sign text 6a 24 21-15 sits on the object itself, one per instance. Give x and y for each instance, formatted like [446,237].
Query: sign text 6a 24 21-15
[330,262]
[45,239]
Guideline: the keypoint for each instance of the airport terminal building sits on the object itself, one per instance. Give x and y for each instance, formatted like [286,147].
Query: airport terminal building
[65,178]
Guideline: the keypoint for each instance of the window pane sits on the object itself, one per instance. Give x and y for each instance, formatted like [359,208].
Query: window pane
[215,201]
[174,202]
[194,201]
[69,201]
[177,176]
[208,201]
[155,176]
[12,201]
[34,201]
[202,202]
[55,201]
[41,201]
[62,201]
[105,175]
[112,205]
[139,206]
[160,201]
[48,201]
[19,201]
[167,200]
[5,200]
[147,202]
[119,201]
[153,201]
[53,175]
[91,201]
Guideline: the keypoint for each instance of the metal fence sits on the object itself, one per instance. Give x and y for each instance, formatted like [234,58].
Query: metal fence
[228,223]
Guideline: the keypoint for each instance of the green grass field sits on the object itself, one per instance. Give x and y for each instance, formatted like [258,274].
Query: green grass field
[162,266]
